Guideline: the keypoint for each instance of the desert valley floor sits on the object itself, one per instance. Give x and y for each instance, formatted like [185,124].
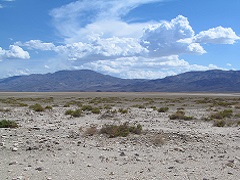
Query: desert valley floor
[122,136]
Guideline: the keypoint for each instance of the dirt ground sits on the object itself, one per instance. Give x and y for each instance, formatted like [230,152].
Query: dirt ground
[203,142]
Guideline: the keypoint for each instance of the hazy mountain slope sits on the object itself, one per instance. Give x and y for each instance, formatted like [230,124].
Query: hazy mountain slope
[86,80]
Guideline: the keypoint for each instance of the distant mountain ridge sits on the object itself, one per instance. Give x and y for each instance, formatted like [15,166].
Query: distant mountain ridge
[87,80]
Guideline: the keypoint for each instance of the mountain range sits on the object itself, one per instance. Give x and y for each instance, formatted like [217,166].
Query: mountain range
[87,80]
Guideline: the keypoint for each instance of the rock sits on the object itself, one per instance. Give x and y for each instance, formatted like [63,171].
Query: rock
[238,158]
[111,173]
[13,163]
[179,149]
[122,154]
[14,149]
[39,169]
[179,161]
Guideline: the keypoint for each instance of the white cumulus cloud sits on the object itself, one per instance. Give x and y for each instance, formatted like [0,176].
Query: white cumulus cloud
[165,38]
[218,35]
[37,44]
[14,52]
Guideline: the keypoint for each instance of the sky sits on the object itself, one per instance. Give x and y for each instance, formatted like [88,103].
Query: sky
[134,39]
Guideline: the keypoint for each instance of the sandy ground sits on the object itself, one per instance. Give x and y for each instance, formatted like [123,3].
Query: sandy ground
[51,145]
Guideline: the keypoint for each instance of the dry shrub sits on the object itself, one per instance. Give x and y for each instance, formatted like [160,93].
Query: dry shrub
[180,115]
[91,131]
[158,140]
[121,130]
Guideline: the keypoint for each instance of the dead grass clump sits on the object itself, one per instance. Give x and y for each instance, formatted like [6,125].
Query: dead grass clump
[158,140]
[4,110]
[109,114]
[180,115]
[163,109]
[90,131]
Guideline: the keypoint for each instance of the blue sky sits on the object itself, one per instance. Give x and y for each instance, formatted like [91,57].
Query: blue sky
[123,38]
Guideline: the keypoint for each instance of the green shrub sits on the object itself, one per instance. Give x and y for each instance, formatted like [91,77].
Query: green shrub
[238,123]
[163,109]
[49,107]
[72,102]
[223,114]
[237,115]
[37,107]
[219,123]
[135,129]
[74,113]
[122,130]
[123,111]
[87,108]
[96,111]
[69,112]
[22,104]
[8,124]
[154,108]
[139,106]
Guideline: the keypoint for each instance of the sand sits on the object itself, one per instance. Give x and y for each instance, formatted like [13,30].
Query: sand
[51,145]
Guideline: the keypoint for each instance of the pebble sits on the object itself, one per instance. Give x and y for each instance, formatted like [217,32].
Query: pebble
[122,154]
[13,163]
[179,149]
[39,169]
[14,149]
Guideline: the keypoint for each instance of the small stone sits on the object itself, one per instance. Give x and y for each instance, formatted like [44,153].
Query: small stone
[179,149]
[238,158]
[14,149]
[179,161]
[122,154]
[89,165]
[39,169]
[138,159]
[13,163]
[111,173]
